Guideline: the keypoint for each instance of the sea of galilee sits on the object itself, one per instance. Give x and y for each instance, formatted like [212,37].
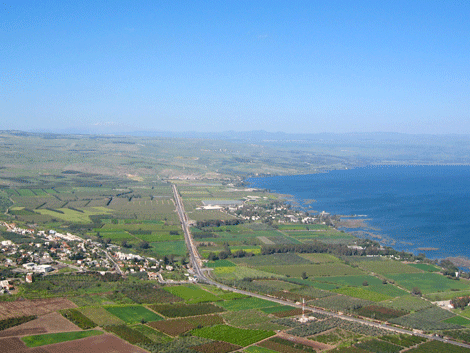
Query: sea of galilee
[420,209]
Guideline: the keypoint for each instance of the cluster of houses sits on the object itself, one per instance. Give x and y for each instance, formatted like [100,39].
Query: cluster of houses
[253,210]
[56,251]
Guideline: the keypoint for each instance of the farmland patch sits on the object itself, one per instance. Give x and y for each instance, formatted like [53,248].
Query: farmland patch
[101,316]
[33,307]
[313,270]
[270,260]
[133,314]
[386,267]
[192,294]
[232,335]
[183,310]
[51,338]
[176,327]
[246,304]
[361,293]
[427,282]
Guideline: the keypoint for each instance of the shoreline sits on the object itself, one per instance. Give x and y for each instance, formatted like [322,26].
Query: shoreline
[361,223]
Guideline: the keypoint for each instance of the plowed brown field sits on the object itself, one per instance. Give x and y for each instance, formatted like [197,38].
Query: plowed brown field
[33,307]
[53,322]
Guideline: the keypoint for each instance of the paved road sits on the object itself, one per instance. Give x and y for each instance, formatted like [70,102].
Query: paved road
[116,266]
[196,264]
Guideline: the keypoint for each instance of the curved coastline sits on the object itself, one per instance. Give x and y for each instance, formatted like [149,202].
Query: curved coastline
[418,220]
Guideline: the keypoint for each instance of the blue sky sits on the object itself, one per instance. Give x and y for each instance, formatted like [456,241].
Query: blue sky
[292,66]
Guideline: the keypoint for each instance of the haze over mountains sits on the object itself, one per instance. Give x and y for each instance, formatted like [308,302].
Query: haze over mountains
[358,148]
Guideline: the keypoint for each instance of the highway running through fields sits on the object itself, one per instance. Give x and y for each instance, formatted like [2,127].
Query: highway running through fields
[196,264]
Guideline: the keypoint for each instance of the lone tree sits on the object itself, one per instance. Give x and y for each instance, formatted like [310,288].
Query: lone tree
[365,283]
[416,291]
[304,275]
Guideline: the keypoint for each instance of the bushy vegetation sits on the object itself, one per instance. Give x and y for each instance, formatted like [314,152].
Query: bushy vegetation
[340,303]
[154,335]
[461,335]
[77,282]
[128,334]
[438,347]
[403,340]
[238,336]
[148,293]
[315,327]
[15,321]
[78,319]
[427,319]
[378,346]
[181,345]
[178,326]
[380,313]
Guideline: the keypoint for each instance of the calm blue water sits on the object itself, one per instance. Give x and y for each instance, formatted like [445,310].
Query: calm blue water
[410,207]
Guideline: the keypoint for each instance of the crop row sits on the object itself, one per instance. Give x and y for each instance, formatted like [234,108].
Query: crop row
[183,310]
[178,326]
[403,340]
[216,347]
[340,303]
[181,345]
[15,321]
[148,293]
[376,345]
[380,313]
[128,334]
[238,336]
[78,319]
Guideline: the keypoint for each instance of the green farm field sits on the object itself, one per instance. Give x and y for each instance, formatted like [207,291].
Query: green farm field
[192,294]
[169,247]
[357,292]
[51,338]
[428,282]
[69,215]
[101,316]
[272,260]
[313,270]
[246,304]
[240,272]
[374,284]
[387,267]
[133,314]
